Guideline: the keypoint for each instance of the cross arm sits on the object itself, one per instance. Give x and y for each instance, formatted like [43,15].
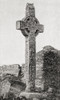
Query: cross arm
[39,29]
[21,25]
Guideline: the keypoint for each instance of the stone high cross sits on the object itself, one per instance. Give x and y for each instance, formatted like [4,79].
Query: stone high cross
[30,28]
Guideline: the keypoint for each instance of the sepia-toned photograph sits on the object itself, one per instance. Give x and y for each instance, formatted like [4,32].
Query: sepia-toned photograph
[29,49]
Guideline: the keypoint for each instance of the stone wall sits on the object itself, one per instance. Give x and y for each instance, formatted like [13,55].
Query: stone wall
[10,69]
[11,80]
[48,58]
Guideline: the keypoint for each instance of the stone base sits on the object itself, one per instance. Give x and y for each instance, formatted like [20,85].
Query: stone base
[33,95]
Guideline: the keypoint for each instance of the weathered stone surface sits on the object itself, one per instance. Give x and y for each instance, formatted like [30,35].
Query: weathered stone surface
[30,61]
[11,82]
[30,27]
[5,87]
[9,69]
[50,70]
[34,95]
[44,59]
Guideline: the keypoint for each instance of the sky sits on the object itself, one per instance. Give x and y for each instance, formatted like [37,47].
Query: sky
[12,42]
